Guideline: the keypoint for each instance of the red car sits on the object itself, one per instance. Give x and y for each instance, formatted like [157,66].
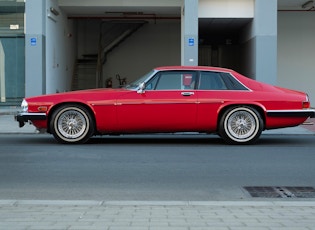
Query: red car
[168,100]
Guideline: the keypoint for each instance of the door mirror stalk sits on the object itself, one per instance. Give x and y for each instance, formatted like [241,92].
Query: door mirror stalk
[141,88]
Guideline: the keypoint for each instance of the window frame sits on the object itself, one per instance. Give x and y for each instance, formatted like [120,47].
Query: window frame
[157,77]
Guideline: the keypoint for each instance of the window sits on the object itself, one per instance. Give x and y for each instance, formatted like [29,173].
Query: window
[172,80]
[12,18]
[211,81]
[231,82]
[169,81]
[219,81]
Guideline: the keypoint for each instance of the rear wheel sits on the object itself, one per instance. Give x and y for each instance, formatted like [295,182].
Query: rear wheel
[241,125]
[72,124]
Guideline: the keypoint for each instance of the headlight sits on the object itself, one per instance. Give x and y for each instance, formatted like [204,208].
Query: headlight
[24,105]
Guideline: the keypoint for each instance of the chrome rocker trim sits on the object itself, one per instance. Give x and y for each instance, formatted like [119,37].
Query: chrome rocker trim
[291,113]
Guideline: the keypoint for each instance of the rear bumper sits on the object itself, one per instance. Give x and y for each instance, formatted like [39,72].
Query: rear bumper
[23,117]
[291,113]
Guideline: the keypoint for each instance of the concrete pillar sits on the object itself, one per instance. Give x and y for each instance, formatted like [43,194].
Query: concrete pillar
[265,34]
[35,61]
[189,34]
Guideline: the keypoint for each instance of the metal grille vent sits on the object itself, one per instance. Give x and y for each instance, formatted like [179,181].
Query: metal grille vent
[281,192]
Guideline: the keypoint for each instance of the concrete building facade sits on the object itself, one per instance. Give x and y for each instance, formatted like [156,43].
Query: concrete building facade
[77,44]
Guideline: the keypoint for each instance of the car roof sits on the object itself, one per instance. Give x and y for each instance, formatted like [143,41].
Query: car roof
[200,68]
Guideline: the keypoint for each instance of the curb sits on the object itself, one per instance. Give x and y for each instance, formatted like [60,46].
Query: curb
[159,203]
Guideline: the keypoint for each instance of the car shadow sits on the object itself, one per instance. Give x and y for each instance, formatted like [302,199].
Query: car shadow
[158,139]
[200,139]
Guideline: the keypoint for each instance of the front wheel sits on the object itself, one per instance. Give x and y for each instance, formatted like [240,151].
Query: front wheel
[240,125]
[72,124]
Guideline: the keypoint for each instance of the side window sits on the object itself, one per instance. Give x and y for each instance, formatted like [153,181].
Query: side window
[169,81]
[211,81]
[152,83]
[172,80]
[232,83]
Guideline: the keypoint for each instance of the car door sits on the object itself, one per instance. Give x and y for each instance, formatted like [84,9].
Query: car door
[168,104]
[212,93]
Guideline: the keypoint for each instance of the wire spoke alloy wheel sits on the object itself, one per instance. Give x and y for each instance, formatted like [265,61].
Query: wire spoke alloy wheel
[241,125]
[72,123]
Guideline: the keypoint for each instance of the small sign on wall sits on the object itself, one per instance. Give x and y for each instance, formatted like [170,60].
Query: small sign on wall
[191,41]
[14,27]
[33,41]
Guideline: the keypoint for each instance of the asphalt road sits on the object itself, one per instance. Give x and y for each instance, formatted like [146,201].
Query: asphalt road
[157,167]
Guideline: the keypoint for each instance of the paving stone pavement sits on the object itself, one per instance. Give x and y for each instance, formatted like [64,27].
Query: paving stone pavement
[158,215]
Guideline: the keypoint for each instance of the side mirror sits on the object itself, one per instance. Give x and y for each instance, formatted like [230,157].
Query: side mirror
[141,88]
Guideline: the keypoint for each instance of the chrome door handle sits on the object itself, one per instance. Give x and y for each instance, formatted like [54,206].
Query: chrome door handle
[187,93]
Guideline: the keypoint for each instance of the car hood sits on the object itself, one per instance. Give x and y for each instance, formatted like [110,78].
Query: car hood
[79,95]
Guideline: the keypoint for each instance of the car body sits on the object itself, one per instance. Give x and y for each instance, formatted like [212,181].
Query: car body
[171,99]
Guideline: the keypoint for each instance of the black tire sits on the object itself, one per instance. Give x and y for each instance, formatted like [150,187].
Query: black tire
[241,125]
[72,123]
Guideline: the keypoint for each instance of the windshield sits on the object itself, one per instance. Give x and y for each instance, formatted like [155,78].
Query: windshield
[135,84]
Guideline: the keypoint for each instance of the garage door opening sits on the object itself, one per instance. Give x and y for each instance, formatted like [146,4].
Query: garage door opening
[221,42]
[123,43]
[97,38]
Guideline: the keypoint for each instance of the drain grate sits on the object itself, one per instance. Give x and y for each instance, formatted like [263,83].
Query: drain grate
[281,192]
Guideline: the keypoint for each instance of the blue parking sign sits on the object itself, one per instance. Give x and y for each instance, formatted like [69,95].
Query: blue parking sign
[33,41]
[191,41]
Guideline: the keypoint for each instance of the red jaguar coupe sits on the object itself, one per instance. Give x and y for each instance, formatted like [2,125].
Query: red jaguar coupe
[168,100]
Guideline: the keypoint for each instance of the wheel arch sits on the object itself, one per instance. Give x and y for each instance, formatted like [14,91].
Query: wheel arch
[57,106]
[259,109]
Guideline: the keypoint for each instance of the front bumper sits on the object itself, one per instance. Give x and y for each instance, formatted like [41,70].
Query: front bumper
[23,117]
[292,113]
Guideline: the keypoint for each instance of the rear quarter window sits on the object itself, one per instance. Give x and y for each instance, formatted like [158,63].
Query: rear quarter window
[231,83]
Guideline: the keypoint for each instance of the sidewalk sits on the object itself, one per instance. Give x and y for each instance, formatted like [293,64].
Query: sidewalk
[160,215]
[9,125]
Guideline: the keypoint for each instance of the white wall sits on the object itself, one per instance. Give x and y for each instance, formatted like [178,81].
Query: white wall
[296,51]
[60,50]
[151,46]
[226,8]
